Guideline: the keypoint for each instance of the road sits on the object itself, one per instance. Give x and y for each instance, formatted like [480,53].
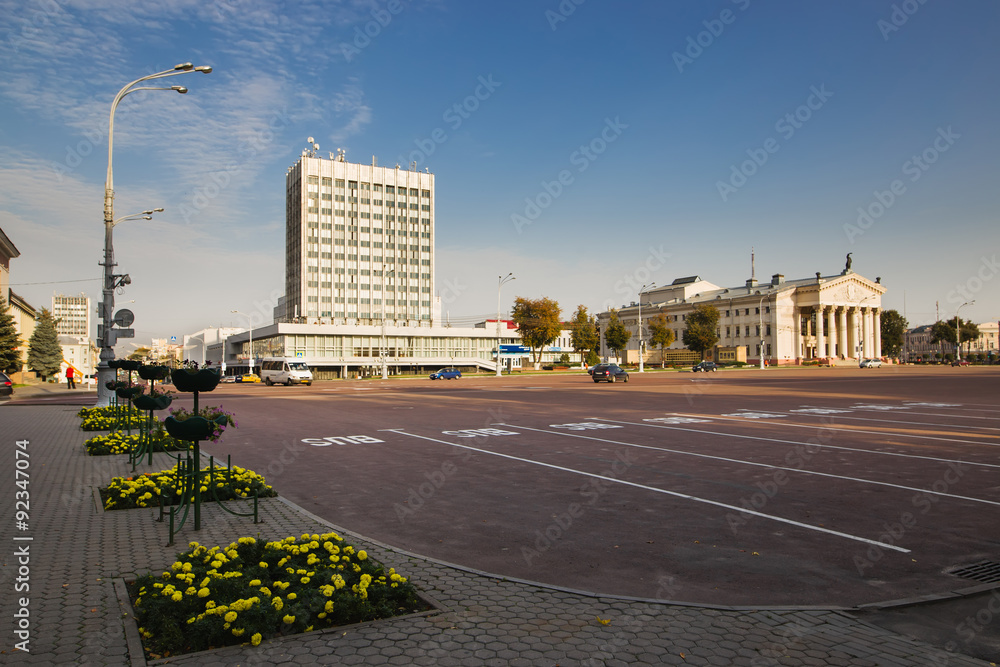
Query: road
[799,486]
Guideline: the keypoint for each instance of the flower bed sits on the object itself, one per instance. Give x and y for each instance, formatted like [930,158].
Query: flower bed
[251,591]
[117,442]
[142,490]
[103,419]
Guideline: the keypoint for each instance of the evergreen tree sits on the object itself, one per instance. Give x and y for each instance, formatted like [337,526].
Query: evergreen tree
[10,344]
[44,351]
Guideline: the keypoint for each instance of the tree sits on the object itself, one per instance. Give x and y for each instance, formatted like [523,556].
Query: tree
[616,335]
[10,344]
[44,351]
[893,330]
[660,335]
[585,336]
[701,333]
[538,322]
[944,332]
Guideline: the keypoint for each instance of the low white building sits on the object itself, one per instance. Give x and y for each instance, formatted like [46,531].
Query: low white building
[788,321]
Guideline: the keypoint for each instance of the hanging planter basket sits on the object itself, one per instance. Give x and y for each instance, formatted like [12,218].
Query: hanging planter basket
[152,401]
[153,372]
[193,428]
[202,380]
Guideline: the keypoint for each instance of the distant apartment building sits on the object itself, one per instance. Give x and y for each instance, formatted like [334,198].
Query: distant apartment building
[359,243]
[72,314]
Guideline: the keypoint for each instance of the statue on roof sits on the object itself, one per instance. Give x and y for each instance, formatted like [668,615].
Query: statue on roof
[847,268]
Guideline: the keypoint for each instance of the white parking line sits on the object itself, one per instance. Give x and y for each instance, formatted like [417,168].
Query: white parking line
[849,430]
[762,465]
[741,510]
[812,411]
[660,424]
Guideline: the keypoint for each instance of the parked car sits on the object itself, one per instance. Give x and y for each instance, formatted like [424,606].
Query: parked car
[705,367]
[6,386]
[609,373]
[248,377]
[871,363]
[446,374]
[960,362]
[228,378]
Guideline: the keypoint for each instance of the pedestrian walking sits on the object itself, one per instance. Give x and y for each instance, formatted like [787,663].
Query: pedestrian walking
[69,378]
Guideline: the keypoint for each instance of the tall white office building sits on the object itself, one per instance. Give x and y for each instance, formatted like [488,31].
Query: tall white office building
[359,243]
[72,314]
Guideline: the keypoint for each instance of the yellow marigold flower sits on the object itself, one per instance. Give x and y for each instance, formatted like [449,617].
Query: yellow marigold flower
[230,617]
[322,614]
[210,604]
[190,591]
[176,566]
[255,582]
[216,564]
[186,567]
[265,590]
[193,545]
[329,606]
[291,596]
[278,604]
[263,564]
[256,639]
[289,619]
[362,555]
[237,632]
[203,593]
[177,597]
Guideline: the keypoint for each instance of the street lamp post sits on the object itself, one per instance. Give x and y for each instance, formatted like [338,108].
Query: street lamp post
[108,336]
[501,280]
[641,290]
[958,328]
[249,319]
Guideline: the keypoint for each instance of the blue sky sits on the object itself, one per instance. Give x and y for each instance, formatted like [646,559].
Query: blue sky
[586,146]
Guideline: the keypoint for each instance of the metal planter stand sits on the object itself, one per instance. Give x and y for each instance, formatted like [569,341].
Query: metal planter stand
[189,473]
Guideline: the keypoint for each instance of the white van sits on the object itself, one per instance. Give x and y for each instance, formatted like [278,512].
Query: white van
[279,370]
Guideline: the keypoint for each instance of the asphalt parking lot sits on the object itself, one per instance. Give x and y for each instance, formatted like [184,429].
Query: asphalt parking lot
[760,488]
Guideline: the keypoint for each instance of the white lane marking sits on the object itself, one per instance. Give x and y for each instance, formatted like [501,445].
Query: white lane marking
[754,463]
[819,411]
[676,494]
[853,430]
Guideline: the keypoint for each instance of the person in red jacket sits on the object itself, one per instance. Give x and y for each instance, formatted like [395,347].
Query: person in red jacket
[69,378]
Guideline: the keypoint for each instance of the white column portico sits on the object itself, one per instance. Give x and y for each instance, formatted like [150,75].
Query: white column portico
[831,332]
[877,324]
[842,332]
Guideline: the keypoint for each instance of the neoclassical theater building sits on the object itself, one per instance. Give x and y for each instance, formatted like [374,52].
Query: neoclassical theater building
[834,318]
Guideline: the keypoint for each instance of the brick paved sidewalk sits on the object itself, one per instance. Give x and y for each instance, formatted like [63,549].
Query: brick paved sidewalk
[77,550]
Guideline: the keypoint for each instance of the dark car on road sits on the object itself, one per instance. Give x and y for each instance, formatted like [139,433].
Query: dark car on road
[6,386]
[446,374]
[609,373]
[705,367]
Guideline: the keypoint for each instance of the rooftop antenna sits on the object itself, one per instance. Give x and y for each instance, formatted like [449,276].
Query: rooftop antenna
[341,155]
[753,268]
[311,148]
